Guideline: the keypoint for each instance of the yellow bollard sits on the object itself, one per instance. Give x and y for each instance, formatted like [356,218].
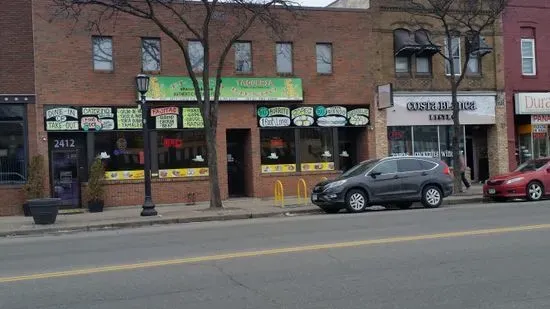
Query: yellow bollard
[279,194]
[302,181]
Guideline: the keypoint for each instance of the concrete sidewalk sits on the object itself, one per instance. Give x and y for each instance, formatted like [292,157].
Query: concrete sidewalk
[124,217]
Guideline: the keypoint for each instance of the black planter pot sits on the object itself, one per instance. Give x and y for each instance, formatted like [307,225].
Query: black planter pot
[26,210]
[95,206]
[44,210]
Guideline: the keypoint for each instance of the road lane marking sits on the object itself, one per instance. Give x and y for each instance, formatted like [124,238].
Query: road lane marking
[245,254]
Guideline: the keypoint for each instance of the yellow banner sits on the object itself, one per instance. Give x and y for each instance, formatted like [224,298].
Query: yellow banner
[279,168]
[320,166]
[124,175]
[183,172]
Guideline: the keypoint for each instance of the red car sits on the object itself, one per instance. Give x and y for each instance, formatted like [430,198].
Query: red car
[531,180]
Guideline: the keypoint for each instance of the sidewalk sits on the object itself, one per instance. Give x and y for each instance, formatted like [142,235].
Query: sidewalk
[234,209]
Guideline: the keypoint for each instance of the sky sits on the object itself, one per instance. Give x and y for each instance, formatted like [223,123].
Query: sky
[314,2]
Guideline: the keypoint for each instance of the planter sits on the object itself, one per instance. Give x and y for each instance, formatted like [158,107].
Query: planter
[95,206]
[44,210]
[26,209]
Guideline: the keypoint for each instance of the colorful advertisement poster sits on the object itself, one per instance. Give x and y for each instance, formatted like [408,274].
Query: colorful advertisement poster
[165,117]
[278,168]
[312,116]
[61,119]
[97,119]
[192,117]
[316,167]
[273,117]
[124,175]
[129,118]
[180,88]
[184,172]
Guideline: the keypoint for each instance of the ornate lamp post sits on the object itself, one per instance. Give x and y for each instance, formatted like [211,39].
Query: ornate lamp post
[142,85]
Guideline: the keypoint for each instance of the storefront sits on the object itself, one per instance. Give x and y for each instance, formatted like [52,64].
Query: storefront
[532,119]
[293,139]
[420,124]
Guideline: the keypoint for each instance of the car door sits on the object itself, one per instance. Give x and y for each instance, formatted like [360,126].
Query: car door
[412,175]
[383,181]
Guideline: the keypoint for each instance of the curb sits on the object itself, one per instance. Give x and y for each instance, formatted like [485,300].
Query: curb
[166,221]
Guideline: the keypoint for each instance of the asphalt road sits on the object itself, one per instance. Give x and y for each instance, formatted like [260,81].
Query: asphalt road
[469,256]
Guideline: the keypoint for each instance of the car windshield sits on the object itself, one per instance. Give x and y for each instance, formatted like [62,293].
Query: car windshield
[532,165]
[359,169]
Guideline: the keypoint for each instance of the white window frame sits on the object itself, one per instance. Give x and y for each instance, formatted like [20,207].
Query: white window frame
[109,59]
[448,54]
[280,48]
[534,57]
[324,65]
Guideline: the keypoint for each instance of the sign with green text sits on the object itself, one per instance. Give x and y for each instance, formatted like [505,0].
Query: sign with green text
[168,88]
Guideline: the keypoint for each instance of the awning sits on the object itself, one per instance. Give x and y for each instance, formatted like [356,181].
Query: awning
[428,48]
[477,46]
[404,45]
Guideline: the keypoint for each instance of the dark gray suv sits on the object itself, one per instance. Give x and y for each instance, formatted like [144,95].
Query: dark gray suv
[398,181]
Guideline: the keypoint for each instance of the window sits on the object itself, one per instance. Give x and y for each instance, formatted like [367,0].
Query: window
[13,159]
[474,64]
[102,53]
[316,147]
[150,55]
[124,147]
[426,165]
[528,59]
[387,167]
[196,55]
[446,143]
[181,149]
[347,147]
[409,165]
[455,55]
[277,146]
[426,141]
[423,65]
[243,57]
[284,57]
[402,64]
[399,141]
[324,58]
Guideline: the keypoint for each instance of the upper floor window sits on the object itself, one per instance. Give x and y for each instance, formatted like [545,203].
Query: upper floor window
[284,57]
[323,52]
[415,49]
[474,64]
[455,55]
[102,53]
[423,65]
[243,57]
[402,65]
[528,58]
[150,55]
[196,55]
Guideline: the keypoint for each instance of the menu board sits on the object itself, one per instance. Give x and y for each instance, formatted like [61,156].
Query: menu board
[311,116]
[97,119]
[165,117]
[192,117]
[129,118]
[61,119]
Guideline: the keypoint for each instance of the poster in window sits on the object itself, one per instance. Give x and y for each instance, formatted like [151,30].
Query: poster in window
[332,116]
[129,118]
[358,117]
[278,168]
[302,116]
[192,117]
[165,117]
[184,172]
[97,119]
[273,117]
[62,119]
[124,175]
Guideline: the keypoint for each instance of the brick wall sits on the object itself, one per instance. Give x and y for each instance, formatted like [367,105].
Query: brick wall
[13,200]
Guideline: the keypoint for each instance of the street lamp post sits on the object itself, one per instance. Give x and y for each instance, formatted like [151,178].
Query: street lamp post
[142,84]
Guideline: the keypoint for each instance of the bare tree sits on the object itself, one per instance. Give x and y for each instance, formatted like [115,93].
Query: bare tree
[468,19]
[217,25]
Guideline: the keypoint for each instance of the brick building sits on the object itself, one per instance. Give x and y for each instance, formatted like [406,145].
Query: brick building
[419,122]
[292,107]
[527,83]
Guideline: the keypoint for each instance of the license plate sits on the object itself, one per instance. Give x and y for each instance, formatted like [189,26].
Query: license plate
[314,197]
[492,191]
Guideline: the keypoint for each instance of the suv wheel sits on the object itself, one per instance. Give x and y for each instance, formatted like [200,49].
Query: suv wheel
[432,197]
[356,201]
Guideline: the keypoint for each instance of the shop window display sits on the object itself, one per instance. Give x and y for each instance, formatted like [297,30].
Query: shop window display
[182,153]
[12,144]
[400,141]
[125,153]
[316,149]
[278,153]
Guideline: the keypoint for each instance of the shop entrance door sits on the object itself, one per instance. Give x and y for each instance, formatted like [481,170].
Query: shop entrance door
[236,167]
[65,180]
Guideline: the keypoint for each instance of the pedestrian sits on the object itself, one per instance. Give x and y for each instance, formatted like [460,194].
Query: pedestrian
[463,170]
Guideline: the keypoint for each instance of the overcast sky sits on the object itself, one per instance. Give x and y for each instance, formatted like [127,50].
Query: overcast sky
[314,2]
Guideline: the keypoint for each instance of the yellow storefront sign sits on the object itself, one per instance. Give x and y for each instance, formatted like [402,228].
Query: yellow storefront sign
[183,172]
[124,175]
[319,166]
[278,168]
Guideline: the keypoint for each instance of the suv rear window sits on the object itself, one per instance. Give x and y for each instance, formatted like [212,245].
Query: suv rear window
[427,165]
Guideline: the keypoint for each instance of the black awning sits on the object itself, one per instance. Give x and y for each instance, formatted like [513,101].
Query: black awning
[478,47]
[404,45]
[428,48]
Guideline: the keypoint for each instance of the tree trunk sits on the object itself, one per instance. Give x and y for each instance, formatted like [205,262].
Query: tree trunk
[456,138]
[215,196]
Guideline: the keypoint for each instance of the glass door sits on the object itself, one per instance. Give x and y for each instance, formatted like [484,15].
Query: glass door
[65,182]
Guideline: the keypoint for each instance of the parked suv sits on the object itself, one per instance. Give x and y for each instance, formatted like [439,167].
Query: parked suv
[398,181]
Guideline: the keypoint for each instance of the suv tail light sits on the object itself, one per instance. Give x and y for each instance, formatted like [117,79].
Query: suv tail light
[446,169]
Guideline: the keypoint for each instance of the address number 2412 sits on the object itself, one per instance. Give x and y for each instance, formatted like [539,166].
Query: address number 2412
[63,143]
